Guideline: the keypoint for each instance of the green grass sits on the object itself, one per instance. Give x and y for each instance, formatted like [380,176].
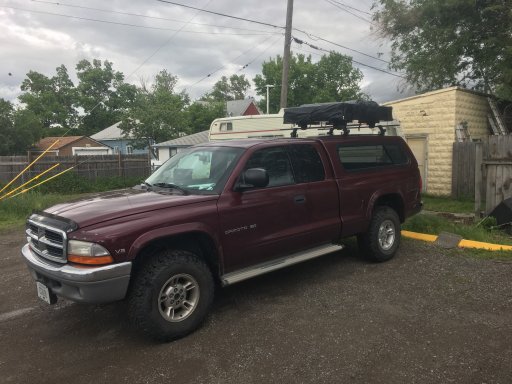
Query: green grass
[447,204]
[13,212]
[433,224]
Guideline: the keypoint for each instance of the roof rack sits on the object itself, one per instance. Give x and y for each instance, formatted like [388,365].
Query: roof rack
[338,115]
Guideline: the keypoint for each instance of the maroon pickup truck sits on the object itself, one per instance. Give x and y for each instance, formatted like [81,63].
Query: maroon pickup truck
[221,213]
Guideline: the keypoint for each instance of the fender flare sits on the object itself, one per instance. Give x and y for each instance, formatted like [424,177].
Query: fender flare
[173,230]
[380,193]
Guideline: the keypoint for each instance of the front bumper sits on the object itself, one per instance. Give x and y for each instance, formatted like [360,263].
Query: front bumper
[100,284]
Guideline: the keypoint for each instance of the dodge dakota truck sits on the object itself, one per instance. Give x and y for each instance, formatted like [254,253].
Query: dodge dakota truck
[220,213]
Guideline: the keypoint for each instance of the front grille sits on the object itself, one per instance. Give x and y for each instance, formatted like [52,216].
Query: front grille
[46,241]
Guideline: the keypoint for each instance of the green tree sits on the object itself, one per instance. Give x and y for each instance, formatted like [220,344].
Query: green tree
[102,94]
[457,42]
[19,129]
[27,130]
[157,113]
[336,80]
[6,126]
[52,100]
[201,114]
[234,88]
[333,78]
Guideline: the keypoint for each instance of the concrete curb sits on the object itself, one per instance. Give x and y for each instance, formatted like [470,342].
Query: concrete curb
[462,244]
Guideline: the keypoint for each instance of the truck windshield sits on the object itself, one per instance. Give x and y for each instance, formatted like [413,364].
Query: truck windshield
[202,170]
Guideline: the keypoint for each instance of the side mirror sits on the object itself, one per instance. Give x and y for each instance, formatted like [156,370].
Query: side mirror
[253,178]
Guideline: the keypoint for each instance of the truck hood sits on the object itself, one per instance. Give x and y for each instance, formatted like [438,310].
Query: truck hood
[105,206]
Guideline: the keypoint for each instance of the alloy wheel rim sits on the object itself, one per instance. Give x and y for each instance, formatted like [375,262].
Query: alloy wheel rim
[386,235]
[178,297]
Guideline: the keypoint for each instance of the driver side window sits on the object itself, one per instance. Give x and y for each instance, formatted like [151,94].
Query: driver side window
[276,162]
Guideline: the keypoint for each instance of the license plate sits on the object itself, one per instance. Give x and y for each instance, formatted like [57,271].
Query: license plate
[43,292]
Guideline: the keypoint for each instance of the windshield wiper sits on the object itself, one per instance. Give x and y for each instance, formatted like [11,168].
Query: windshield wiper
[172,186]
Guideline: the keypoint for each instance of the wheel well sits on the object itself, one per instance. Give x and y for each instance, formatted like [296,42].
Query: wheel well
[393,201]
[196,242]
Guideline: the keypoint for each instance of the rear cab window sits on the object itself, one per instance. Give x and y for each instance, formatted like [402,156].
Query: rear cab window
[358,157]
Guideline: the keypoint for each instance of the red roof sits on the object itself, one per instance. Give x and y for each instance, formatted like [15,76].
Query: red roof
[44,143]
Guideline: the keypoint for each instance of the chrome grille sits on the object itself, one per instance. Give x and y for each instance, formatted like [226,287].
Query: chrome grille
[46,241]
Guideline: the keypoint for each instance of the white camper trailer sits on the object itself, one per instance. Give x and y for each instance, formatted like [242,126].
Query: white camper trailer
[272,126]
[252,127]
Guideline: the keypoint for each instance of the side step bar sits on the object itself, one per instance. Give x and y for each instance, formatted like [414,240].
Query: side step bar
[260,269]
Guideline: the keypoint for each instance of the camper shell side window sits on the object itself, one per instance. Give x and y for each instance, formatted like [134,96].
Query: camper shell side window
[225,127]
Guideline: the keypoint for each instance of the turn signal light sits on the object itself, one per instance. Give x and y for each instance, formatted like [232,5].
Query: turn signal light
[90,260]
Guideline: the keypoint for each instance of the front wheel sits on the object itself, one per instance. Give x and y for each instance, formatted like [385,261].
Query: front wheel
[171,295]
[381,241]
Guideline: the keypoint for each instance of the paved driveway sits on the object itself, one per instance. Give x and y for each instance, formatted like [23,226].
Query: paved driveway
[427,316]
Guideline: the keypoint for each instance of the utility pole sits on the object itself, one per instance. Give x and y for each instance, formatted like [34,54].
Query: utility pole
[268,86]
[286,55]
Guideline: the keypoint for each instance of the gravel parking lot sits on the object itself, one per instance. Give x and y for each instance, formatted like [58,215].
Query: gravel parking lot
[427,316]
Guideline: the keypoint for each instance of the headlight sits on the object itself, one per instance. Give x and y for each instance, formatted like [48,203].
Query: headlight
[83,252]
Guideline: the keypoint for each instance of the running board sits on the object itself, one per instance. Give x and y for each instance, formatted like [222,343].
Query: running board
[260,269]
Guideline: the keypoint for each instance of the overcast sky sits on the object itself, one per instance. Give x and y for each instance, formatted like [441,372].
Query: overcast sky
[145,36]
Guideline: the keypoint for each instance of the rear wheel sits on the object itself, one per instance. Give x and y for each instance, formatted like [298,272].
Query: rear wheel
[382,240]
[171,295]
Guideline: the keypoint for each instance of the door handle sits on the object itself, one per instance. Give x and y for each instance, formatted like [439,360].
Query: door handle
[299,199]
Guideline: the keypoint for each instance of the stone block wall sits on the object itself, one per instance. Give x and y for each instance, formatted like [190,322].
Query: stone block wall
[435,115]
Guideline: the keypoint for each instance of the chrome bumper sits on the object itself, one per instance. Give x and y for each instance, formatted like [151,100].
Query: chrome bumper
[100,284]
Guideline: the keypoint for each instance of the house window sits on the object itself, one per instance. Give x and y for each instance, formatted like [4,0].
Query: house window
[116,150]
[172,152]
[224,127]
[129,149]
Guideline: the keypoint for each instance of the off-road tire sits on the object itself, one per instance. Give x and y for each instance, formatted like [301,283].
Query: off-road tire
[149,299]
[381,241]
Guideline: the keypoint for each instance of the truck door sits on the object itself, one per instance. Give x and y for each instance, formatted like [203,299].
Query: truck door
[322,199]
[261,224]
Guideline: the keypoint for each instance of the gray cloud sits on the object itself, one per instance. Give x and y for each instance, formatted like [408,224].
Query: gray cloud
[41,42]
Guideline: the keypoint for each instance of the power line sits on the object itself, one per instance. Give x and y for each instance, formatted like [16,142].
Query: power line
[222,14]
[275,26]
[298,41]
[139,15]
[314,37]
[349,6]
[337,5]
[259,55]
[136,25]
[236,58]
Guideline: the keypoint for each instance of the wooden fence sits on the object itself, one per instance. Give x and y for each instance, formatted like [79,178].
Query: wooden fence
[90,167]
[463,169]
[483,170]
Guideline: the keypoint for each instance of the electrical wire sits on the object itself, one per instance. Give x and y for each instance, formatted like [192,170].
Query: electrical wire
[140,15]
[275,26]
[136,25]
[236,58]
[353,8]
[348,11]
[260,54]
[222,14]
[314,37]
[298,41]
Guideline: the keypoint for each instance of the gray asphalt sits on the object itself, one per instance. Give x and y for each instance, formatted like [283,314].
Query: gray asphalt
[427,316]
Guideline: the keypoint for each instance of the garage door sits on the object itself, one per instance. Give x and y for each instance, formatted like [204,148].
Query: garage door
[418,147]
